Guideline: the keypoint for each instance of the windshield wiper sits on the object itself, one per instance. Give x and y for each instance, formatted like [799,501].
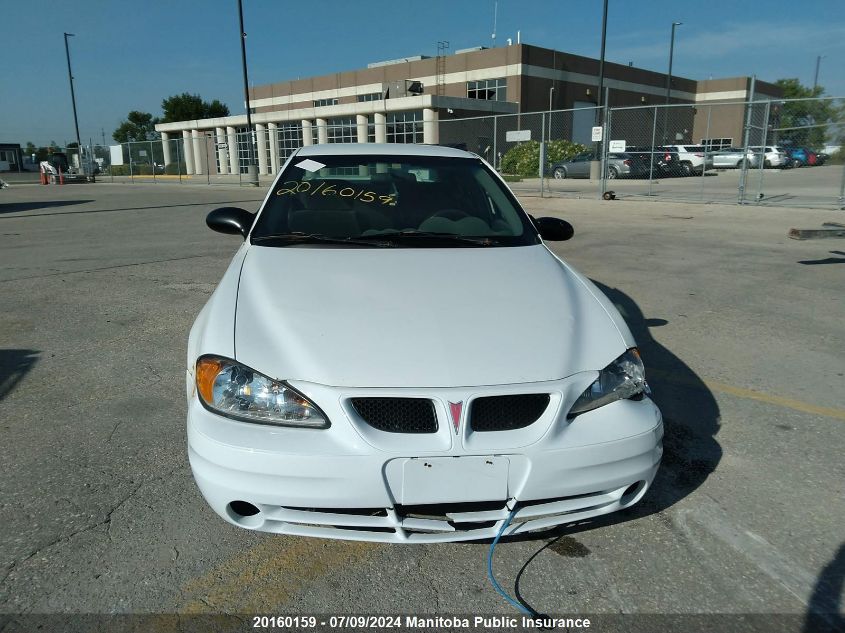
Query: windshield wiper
[298,237]
[413,235]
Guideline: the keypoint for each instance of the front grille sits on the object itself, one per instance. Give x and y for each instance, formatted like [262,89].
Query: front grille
[397,415]
[506,413]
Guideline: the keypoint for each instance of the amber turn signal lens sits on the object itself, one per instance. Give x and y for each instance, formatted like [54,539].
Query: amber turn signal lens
[208,369]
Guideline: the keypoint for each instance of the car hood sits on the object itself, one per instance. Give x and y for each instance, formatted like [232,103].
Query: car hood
[419,317]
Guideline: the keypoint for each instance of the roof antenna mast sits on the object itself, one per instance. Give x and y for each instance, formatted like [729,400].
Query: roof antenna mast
[495,15]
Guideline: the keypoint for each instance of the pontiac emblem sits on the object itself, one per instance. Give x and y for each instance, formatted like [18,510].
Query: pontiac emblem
[455,411]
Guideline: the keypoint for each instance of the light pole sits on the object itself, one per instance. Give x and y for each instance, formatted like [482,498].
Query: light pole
[73,101]
[253,168]
[816,77]
[669,80]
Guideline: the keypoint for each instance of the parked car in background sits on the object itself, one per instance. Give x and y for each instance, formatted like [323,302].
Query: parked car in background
[801,156]
[664,162]
[618,165]
[692,159]
[772,156]
[733,158]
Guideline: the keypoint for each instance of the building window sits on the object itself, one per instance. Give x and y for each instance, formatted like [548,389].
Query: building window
[371,129]
[372,96]
[319,103]
[290,139]
[244,150]
[488,89]
[405,127]
[715,144]
[342,130]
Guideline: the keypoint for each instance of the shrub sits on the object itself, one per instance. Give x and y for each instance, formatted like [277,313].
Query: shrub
[173,169]
[524,159]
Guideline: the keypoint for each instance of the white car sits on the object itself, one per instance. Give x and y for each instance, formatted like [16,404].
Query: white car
[692,159]
[395,355]
[773,156]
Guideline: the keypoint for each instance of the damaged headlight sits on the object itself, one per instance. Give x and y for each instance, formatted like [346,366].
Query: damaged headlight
[623,378]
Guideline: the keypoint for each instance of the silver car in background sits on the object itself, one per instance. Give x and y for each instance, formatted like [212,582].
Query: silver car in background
[618,165]
[733,158]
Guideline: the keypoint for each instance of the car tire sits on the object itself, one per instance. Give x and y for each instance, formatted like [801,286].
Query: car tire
[796,163]
[559,173]
[612,173]
[767,164]
[686,169]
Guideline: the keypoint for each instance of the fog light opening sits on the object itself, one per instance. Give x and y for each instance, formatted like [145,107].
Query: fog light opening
[245,514]
[243,509]
[632,493]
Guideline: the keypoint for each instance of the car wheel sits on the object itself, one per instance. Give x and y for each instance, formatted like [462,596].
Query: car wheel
[612,173]
[796,163]
[767,164]
[686,169]
[559,173]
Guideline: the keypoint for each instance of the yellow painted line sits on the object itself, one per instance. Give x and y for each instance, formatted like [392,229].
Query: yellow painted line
[268,574]
[750,394]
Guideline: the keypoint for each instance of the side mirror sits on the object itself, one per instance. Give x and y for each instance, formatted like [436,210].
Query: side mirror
[554,229]
[230,220]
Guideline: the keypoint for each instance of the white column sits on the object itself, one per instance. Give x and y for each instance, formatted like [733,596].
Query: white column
[361,121]
[261,145]
[381,127]
[188,151]
[273,131]
[165,146]
[322,131]
[222,152]
[199,153]
[232,142]
[307,134]
[431,127]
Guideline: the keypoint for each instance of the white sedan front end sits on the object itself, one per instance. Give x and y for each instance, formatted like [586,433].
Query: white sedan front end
[418,388]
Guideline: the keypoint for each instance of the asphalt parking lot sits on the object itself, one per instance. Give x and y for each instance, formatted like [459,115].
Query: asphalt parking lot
[741,331]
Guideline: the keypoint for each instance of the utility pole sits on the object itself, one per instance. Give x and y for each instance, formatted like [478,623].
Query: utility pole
[73,100]
[669,81]
[816,77]
[253,167]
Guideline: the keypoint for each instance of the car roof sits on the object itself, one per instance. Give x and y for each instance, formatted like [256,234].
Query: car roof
[393,149]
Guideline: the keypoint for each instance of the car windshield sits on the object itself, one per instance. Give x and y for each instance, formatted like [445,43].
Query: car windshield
[402,201]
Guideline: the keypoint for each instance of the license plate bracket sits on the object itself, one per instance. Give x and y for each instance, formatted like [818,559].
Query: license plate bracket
[454,479]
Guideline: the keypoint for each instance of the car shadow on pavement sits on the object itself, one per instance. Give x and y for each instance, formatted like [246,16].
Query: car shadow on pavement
[17,207]
[824,611]
[691,421]
[14,365]
[827,260]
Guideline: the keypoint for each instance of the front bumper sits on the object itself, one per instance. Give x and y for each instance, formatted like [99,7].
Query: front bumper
[352,482]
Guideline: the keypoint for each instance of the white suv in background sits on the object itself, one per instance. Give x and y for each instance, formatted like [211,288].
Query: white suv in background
[772,156]
[692,159]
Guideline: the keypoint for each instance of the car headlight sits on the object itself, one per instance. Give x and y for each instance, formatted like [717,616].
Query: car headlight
[623,378]
[237,391]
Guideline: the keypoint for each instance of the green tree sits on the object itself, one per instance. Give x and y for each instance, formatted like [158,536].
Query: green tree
[524,159]
[803,123]
[187,107]
[138,126]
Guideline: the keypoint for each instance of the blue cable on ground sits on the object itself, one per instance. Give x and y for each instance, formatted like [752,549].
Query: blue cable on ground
[492,578]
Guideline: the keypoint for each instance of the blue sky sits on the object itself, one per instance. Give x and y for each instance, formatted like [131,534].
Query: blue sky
[130,55]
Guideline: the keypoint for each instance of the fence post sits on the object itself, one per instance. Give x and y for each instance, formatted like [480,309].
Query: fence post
[651,162]
[707,137]
[495,135]
[152,161]
[604,145]
[842,188]
[542,154]
[129,151]
[763,141]
[178,161]
[207,163]
[743,174]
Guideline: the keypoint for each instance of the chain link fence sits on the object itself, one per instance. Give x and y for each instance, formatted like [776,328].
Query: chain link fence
[768,153]
[773,152]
